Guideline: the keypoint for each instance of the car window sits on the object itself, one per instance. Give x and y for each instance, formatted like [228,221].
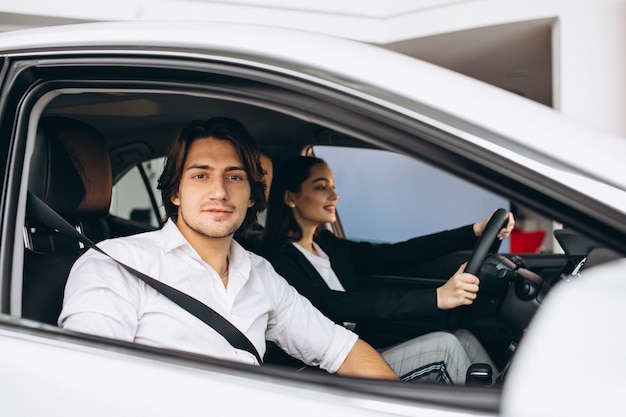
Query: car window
[135,195]
[385,196]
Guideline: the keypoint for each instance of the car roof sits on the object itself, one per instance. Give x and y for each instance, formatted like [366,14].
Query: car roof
[394,80]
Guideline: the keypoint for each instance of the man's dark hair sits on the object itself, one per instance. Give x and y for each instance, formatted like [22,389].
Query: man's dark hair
[221,128]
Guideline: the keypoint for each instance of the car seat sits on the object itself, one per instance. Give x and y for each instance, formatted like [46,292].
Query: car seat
[70,171]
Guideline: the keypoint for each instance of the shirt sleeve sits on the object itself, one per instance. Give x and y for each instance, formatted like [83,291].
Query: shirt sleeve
[354,304]
[94,305]
[302,331]
[369,257]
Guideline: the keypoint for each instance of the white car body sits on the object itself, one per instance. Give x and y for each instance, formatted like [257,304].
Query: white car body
[54,374]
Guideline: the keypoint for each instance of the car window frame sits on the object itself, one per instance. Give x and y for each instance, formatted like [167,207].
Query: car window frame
[414,138]
[343,113]
[32,105]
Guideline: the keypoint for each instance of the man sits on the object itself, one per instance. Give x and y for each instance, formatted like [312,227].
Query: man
[212,185]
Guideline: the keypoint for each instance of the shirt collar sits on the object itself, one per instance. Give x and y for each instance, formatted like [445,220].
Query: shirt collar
[173,239]
[240,260]
[321,254]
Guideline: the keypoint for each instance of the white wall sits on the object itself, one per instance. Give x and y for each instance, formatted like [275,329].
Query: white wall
[589,36]
[591,63]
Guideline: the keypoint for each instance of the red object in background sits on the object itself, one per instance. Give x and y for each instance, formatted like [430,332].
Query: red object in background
[526,242]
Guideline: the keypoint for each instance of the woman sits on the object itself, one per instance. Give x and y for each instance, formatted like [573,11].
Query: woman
[327,270]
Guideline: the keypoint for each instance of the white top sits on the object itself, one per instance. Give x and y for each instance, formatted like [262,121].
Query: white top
[103,299]
[321,263]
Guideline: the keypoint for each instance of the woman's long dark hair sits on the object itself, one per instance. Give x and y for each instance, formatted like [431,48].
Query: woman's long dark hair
[221,128]
[281,226]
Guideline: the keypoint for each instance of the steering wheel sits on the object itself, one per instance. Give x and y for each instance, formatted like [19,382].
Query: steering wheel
[485,244]
[486,241]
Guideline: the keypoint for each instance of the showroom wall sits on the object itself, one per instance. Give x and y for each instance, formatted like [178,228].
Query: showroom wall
[588,37]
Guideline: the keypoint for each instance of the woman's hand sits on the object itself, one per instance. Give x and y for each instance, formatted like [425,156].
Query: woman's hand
[479,228]
[461,289]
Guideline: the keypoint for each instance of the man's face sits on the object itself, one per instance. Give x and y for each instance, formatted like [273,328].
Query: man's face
[214,192]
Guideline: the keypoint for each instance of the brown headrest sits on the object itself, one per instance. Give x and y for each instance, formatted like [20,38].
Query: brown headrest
[71,169]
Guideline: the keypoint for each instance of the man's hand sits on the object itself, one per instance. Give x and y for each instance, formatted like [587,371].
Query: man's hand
[461,289]
[365,362]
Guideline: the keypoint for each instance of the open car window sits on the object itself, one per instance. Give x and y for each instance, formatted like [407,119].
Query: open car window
[135,194]
[389,197]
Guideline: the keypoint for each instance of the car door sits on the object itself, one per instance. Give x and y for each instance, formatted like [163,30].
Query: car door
[94,368]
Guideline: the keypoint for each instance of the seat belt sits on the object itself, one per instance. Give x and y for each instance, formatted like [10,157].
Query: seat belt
[46,215]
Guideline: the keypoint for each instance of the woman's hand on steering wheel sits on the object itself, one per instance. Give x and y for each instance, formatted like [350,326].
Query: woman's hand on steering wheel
[500,223]
[505,232]
[461,289]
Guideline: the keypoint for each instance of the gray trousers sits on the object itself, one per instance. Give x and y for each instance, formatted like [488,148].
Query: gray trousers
[441,357]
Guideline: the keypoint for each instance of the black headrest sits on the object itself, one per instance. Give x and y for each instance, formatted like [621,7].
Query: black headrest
[70,169]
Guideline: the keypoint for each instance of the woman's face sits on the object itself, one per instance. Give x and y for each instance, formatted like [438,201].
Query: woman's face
[316,203]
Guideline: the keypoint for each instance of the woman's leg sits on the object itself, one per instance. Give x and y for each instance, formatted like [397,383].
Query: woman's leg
[437,356]
[475,350]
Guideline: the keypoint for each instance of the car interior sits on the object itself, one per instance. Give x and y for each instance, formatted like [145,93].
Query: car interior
[89,140]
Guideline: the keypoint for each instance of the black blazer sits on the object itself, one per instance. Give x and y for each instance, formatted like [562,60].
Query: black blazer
[351,261]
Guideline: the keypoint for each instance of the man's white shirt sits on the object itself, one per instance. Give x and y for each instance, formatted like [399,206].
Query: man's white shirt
[103,299]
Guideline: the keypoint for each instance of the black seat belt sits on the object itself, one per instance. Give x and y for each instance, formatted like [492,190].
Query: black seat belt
[46,215]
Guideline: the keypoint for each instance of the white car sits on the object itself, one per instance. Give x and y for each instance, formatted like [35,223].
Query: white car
[550,312]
